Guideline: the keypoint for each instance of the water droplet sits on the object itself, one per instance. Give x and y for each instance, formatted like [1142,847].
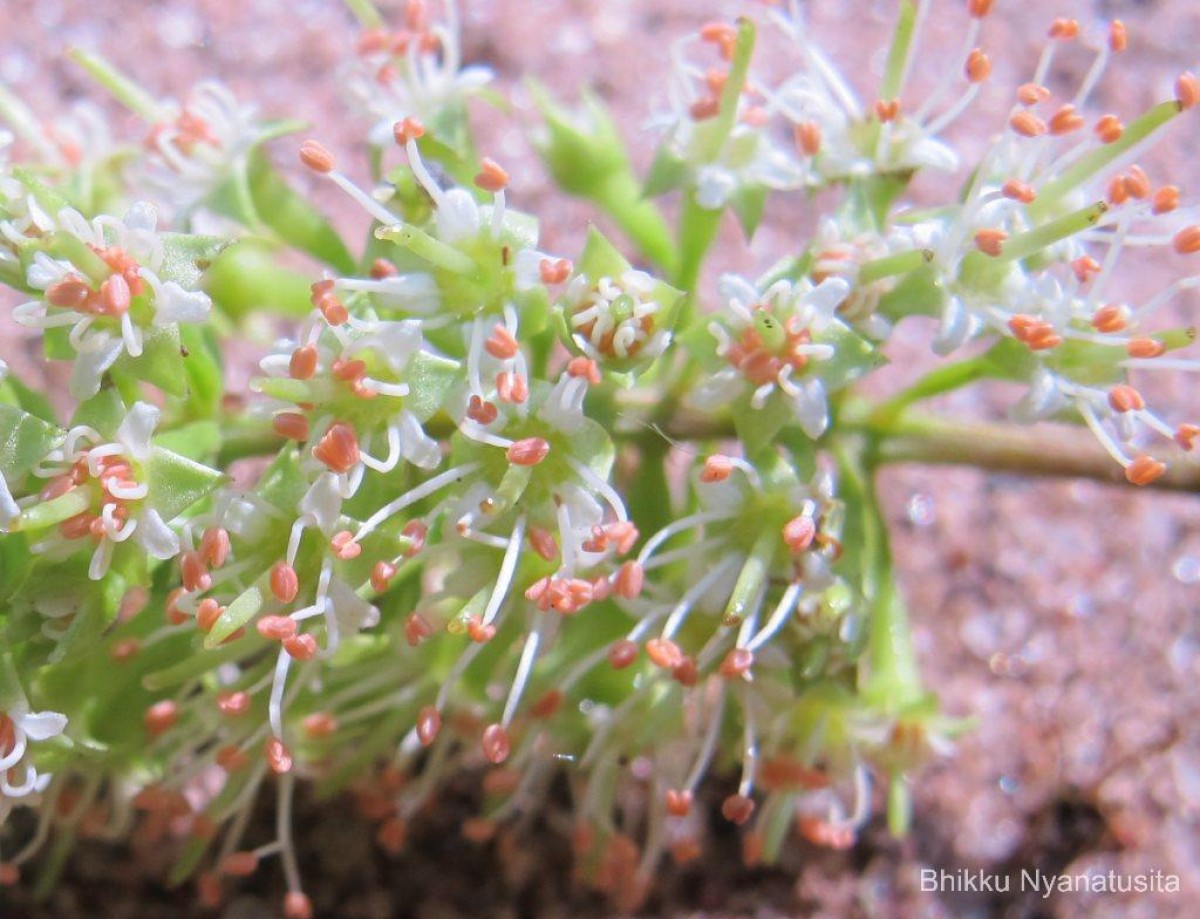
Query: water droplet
[1186,569]
[921,510]
[1009,785]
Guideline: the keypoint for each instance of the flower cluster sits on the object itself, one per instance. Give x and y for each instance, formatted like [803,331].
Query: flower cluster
[489,506]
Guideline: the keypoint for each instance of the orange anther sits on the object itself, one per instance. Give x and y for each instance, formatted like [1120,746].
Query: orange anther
[276,628]
[1166,199]
[1137,183]
[1032,93]
[207,613]
[554,271]
[285,585]
[1110,318]
[291,425]
[664,653]
[1187,240]
[1117,37]
[990,241]
[491,176]
[478,632]
[1109,129]
[1124,398]
[629,580]
[1145,348]
[622,653]
[528,452]
[297,905]
[979,8]
[301,647]
[161,717]
[501,344]
[1186,434]
[320,724]
[1187,90]
[1066,120]
[799,532]
[316,157]
[1144,470]
[338,449]
[381,575]
[406,130]
[239,864]
[704,108]
[496,744]
[344,546]
[1019,191]
[736,664]
[429,723]
[278,757]
[1027,124]
[1063,29]
[233,703]
[679,802]
[303,363]
[737,809]
[808,137]
[888,110]
[978,66]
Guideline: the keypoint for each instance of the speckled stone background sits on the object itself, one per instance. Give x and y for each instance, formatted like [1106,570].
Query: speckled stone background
[1061,615]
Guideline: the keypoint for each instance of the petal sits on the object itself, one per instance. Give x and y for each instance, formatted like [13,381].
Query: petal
[174,304]
[457,216]
[323,502]
[153,534]
[91,365]
[141,216]
[9,511]
[42,725]
[135,431]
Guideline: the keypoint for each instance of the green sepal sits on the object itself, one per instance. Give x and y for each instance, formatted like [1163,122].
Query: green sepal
[176,482]
[25,440]
[667,173]
[758,428]
[160,363]
[430,379]
[748,204]
[187,256]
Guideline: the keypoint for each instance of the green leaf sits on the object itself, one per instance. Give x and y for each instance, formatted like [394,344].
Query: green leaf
[24,441]
[176,482]
[104,412]
[284,483]
[292,217]
[14,392]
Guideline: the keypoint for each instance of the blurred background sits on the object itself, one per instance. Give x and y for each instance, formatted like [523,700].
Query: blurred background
[1061,615]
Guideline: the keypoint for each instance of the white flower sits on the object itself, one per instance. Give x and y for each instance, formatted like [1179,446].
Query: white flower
[101,309]
[17,728]
[616,317]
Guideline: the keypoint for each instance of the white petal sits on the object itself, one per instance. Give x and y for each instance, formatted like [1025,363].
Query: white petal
[174,304]
[812,409]
[42,725]
[352,611]
[9,511]
[323,502]
[457,216]
[135,431]
[142,216]
[91,365]
[153,534]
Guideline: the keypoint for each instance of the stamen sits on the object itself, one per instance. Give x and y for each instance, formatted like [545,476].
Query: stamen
[978,66]
[491,177]
[1109,129]
[1187,240]
[528,452]
[496,744]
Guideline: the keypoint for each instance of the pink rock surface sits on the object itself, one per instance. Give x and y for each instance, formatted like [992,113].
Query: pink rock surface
[1061,615]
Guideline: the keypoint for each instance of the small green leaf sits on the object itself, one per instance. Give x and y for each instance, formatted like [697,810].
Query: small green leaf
[601,258]
[667,173]
[758,428]
[748,205]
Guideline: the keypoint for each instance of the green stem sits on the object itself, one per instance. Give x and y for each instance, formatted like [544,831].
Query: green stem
[718,129]
[892,265]
[366,14]
[431,249]
[898,54]
[1088,165]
